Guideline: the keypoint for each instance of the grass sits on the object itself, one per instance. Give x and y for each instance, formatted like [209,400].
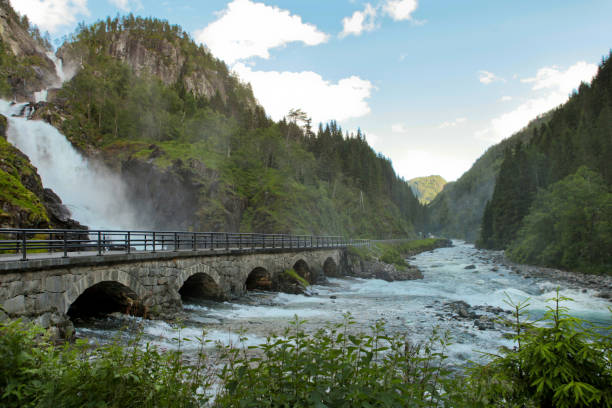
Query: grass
[292,273]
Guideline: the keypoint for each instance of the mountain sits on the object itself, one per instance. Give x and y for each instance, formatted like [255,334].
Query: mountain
[426,188]
[25,66]
[457,210]
[196,151]
[552,203]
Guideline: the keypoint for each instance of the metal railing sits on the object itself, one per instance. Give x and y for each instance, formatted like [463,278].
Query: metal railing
[98,242]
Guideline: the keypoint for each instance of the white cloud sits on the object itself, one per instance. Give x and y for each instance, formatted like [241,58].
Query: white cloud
[505,98]
[487,77]
[562,81]
[48,15]
[322,100]
[400,9]
[359,22]
[453,123]
[247,29]
[399,128]
[127,5]
[551,87]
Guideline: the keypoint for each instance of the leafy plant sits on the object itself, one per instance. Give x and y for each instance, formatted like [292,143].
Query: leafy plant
[561,362]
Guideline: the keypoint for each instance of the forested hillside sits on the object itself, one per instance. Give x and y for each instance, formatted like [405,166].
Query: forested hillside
[198,152]
[552,202]
[457,210]
[427,188]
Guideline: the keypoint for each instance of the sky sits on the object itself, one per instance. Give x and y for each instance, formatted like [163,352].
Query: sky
[432,83]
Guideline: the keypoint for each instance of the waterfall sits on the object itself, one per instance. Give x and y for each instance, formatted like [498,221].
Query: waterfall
[94,195]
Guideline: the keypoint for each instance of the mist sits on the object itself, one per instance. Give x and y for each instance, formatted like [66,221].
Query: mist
[93,193]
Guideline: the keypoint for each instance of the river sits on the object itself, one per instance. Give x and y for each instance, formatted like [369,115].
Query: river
[463,301]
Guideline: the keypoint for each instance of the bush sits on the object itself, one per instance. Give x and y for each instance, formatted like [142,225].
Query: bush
[566,363]
[335,368]
[36,373]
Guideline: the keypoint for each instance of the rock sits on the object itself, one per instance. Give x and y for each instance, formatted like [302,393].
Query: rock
[470,267]
[605,294]
[333,297]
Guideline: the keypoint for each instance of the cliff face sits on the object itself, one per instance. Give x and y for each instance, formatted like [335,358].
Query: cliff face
[185,195]
[157,49]
[26,67]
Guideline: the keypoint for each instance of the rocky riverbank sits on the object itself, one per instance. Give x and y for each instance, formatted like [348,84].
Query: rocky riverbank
[600,284]
[387,260]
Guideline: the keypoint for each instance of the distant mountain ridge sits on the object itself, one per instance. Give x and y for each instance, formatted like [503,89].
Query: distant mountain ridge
[427,188]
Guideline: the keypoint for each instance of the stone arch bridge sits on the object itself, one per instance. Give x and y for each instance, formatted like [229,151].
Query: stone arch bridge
[53,289]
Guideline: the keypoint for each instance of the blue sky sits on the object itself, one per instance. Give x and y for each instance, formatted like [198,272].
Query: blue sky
[432,83]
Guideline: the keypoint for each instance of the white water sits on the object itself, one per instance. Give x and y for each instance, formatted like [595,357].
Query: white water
[410,307]
[94,195]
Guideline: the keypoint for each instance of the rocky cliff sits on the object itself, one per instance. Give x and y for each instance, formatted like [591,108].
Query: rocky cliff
[25,66]
[157,49]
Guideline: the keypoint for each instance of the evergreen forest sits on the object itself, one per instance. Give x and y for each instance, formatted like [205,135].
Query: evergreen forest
[552,203]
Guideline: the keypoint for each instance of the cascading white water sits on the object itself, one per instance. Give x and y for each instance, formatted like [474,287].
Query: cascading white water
[41,96]
[93,194]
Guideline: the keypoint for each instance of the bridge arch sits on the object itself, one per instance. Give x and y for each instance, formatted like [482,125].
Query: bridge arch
[301,267]
[330,267]
[259,279]
[200,281]
[103,283]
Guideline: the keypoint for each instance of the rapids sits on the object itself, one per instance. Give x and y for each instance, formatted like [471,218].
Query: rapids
[411,307]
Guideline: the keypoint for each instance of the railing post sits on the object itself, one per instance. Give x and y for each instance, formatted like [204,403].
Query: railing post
[145,242]
[24,244]
[227,241]
[194,242]
[212,241]
[239,240]
[263,241]
[176,243]
[65,246]
[99,243]
[129,242]
[153,241]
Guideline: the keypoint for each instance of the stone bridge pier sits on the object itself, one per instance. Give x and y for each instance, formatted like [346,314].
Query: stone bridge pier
[53,291]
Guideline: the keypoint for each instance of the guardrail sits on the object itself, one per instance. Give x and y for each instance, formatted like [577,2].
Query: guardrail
[64,242]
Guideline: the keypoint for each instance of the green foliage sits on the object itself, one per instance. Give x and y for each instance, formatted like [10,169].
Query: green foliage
[569,226]
[562,362]
[427,188]
[363,253]
[35,373]
[559,362]
[15,169]
[293,274]
[282,176]
[391,256]
[578,134]
[335,368]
